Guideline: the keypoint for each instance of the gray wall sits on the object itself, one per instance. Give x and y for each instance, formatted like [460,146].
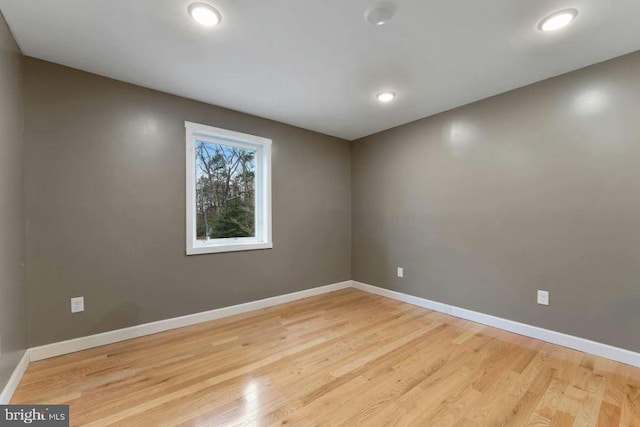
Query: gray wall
[538,188]
[106,208]
[13,328]
[534,189]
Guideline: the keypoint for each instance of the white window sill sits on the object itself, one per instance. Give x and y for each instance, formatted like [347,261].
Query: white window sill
[228,247]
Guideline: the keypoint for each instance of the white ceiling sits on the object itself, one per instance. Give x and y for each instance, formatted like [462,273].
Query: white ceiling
[318,64]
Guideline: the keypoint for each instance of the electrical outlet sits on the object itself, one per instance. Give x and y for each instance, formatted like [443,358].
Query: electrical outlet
[400,272]
[77,304]
[543,297]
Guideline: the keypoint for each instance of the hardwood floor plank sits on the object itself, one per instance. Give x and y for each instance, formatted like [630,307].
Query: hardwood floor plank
[631,407]
[548,405]
[609,415]
[343,358]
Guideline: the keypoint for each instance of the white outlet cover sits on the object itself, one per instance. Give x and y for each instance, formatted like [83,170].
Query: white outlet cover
[400,272]
[77,304]
[543,297]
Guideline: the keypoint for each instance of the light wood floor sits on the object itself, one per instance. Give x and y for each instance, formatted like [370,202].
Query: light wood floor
[344,358]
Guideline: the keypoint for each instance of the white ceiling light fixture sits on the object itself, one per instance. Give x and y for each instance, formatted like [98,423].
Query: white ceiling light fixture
[558,20]
[205,14]
[380,14]
[386,96]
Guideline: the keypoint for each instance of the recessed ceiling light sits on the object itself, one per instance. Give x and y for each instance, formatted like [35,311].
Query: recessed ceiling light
[379,15]
[205,14]
[386,96]
[558,20]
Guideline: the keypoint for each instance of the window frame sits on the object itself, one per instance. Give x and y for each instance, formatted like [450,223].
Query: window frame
[262,146]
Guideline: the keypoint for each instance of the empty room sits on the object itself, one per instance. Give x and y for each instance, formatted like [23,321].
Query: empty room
[320,213]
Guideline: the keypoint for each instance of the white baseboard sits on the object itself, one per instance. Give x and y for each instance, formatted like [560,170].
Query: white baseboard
[570,341]
[84,343]
[7,392]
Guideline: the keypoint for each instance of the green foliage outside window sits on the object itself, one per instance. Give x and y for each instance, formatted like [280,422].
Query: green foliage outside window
[225,191]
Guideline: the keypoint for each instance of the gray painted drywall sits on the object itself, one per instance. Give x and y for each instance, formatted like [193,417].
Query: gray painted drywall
[106,208]
[483,205]
[538,188]
[13,327]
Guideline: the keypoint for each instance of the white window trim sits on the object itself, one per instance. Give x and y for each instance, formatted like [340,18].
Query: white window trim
[263,239]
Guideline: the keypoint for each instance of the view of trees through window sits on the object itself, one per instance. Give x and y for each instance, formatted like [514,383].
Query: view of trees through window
[225,191]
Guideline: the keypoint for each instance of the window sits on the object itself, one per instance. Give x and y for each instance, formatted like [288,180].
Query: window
[228,190]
